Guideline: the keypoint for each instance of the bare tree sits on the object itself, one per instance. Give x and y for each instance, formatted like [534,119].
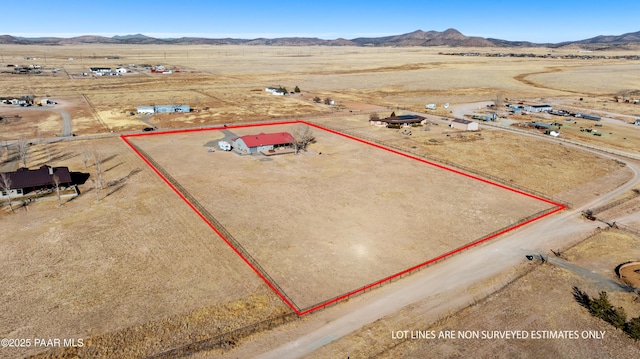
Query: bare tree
[23,151]
[5,184]
[302,138]
[96,187]
[98,166]
[374,116]
[499,101]
[56,183]
[317,99]
[328,101]
[85,156]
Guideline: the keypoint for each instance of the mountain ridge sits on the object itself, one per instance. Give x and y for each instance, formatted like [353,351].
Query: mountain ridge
[449,37]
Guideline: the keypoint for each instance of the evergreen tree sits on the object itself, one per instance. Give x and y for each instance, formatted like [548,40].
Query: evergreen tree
[616,317]
[633,328]
[599,306]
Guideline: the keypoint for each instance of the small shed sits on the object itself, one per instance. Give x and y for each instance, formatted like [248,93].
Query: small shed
[465,125]
[637,123]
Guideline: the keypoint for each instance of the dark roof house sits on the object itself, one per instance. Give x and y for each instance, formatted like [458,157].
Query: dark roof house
[27,179]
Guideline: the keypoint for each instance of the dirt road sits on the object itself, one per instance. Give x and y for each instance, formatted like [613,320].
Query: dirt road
[66,119]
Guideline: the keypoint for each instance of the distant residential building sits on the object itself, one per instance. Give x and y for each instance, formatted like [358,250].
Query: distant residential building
[100,70]
[147,110]
[538,108]
[465,125]
[587,116]
[404,121]
[121,70]
[637,122]
[163,109]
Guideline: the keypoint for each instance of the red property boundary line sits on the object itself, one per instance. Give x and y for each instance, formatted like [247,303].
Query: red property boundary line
[301,312]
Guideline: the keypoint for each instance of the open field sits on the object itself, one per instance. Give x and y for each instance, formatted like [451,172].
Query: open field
[137,255]
[550,168]
[319,224]
[229,80]
[522,304]
[137,272]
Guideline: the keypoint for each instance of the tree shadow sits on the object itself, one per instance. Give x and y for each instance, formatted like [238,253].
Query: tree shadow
[581,297]
[112,167]
[121,180]
[116,189]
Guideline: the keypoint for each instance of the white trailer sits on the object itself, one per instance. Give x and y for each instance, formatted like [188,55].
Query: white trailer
[430,106]
[224,145]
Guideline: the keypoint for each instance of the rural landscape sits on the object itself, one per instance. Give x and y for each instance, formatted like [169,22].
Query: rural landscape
[377,197]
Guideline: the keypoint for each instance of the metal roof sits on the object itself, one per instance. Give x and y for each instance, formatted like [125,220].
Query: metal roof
[267,139]
[42,177]
[466,122]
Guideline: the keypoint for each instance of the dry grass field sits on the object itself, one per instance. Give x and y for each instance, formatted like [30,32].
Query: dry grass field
[546,167]
[137,272]
[229,80]
[524,303]
[340,216]
[136,256]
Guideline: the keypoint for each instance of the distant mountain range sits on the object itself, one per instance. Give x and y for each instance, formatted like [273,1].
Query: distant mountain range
[450,37]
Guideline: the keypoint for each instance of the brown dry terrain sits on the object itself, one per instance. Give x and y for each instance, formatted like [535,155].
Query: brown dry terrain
[137,255]
[137,272]
[524,303]
[319,223]
[546,167]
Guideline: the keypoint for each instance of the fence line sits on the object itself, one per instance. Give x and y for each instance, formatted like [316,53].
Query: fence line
[419,267]
[256,266]
[451,164]
[225,339]
[613,204]
[218,227]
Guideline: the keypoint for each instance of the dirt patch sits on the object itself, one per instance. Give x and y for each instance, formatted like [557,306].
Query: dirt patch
[630,274]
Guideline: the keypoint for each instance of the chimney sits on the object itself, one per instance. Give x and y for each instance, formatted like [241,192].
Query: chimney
[50,171]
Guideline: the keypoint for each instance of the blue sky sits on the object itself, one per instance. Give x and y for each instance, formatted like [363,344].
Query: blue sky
[542,21]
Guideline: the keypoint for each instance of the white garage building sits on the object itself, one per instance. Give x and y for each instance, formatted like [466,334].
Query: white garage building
[465,125]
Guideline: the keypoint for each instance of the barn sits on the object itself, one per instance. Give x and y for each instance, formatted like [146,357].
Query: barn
[464,125]
[262,142]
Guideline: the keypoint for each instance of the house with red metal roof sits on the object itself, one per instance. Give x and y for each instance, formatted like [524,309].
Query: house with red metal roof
[262,142]
[24,181]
